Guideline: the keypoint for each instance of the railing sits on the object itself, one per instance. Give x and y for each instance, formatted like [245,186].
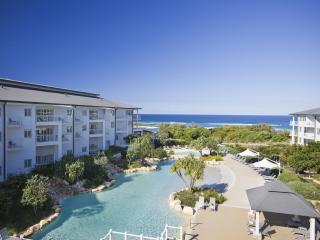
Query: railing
[309,135]
[164,234]
[14,146]
[293,123]
[14,123]
[96,116]
[47,138]
[77,135]
[95,131]
[50,118]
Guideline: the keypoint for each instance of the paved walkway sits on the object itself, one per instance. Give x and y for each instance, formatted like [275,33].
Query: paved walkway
[230,221]
[244,178]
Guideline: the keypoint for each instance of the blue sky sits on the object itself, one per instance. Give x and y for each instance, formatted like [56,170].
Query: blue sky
[170,56]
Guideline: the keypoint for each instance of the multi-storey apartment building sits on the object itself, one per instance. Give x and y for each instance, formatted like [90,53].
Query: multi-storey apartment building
[39,124]
[305,126]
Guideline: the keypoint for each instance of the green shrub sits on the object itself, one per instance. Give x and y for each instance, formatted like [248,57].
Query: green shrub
[218,158]
[160,153]
[289,177]
[135,164]
[171,152]
[306,189]
[188,198]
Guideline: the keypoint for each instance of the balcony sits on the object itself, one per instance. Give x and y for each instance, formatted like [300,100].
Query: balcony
[12,146]
[47,138]
[14,123]
[95,131]
[309,135]
[65,139]
[96,116]
[121,130]
[77,135]
[94,149]
[293,123]
[78,120]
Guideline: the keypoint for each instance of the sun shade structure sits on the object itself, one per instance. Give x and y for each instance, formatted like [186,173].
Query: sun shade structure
[249,153]
[266,163]
[276,197]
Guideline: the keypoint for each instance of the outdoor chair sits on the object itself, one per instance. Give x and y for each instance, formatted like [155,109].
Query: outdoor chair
[212,204]
[202,204]
[266,231]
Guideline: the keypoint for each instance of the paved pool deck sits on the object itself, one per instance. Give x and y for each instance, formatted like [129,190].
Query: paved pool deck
[230,221]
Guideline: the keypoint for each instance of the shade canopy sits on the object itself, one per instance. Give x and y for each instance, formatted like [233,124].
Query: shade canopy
[249,153]
[266,163]
[276,197]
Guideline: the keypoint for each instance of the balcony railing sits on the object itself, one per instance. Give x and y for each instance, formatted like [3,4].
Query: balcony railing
[77,135]
[95,131]
[48,119]
[65,139]
[47,138]
[14,123]
[293,123]
[309,135]
[96,116]
[12,146]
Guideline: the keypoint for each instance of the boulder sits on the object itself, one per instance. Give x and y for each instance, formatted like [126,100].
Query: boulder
[57,210]
[188,211]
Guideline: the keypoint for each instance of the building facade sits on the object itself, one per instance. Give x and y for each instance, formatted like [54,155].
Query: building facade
[40,124]
[305,126]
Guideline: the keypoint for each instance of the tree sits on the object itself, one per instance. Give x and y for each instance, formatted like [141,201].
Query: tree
[199,144]
[35,193]
[102,160]
[74,170]
[140,147]
[189,167]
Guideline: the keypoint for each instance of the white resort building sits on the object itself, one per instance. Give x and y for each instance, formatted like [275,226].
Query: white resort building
[305,126]
[39,124]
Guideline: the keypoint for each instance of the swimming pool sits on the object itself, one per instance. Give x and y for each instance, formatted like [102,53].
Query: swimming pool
[137,204]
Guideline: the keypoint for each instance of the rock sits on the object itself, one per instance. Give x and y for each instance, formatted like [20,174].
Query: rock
[57,210]
[188,211]
[177,207]
[43,223]
[99,188]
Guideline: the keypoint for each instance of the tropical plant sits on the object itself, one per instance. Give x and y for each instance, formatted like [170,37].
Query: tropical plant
[140,148]
[35,193]
[74,170]
[189,167]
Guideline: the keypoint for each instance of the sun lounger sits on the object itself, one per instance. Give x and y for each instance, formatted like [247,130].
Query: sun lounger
[202,204]
[212,204]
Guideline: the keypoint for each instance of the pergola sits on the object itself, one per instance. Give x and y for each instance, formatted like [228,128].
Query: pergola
[276,197]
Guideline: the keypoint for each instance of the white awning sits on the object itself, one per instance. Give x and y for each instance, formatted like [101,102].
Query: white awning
[249,153]
[266,163]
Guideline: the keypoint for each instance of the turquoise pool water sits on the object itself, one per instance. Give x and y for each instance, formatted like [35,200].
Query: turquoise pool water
[137,204]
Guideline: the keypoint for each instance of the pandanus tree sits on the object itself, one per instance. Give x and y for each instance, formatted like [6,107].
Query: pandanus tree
[189,170]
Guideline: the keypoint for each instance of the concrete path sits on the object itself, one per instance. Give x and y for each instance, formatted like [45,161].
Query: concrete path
[244,178]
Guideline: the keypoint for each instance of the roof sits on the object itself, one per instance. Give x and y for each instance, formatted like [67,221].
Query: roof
[39,95]
[313,111]
[276,197]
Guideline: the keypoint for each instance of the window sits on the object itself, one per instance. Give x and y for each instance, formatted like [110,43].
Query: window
[69,112]
[0,170]
[44,115]
[69,129]
[69,152]
[84,149]
[27,133]
[318,132]
[112,125]
[27,112]
[112,112]
[129,112]
[84,112]
[84,127]
[27,163]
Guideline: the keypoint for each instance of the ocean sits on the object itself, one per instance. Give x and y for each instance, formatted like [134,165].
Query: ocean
[278,122]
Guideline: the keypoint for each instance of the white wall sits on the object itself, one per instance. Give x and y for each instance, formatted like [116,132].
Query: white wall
[1,141]
[15,159]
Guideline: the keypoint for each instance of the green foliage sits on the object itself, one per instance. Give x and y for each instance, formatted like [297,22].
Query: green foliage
[135,164]
[160,153]
[14,215]
[189,198]
[74,171]
[218,158]
[140,148]
[246,134]
[307,189]
[171,152]
[35,192]
[189,167]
